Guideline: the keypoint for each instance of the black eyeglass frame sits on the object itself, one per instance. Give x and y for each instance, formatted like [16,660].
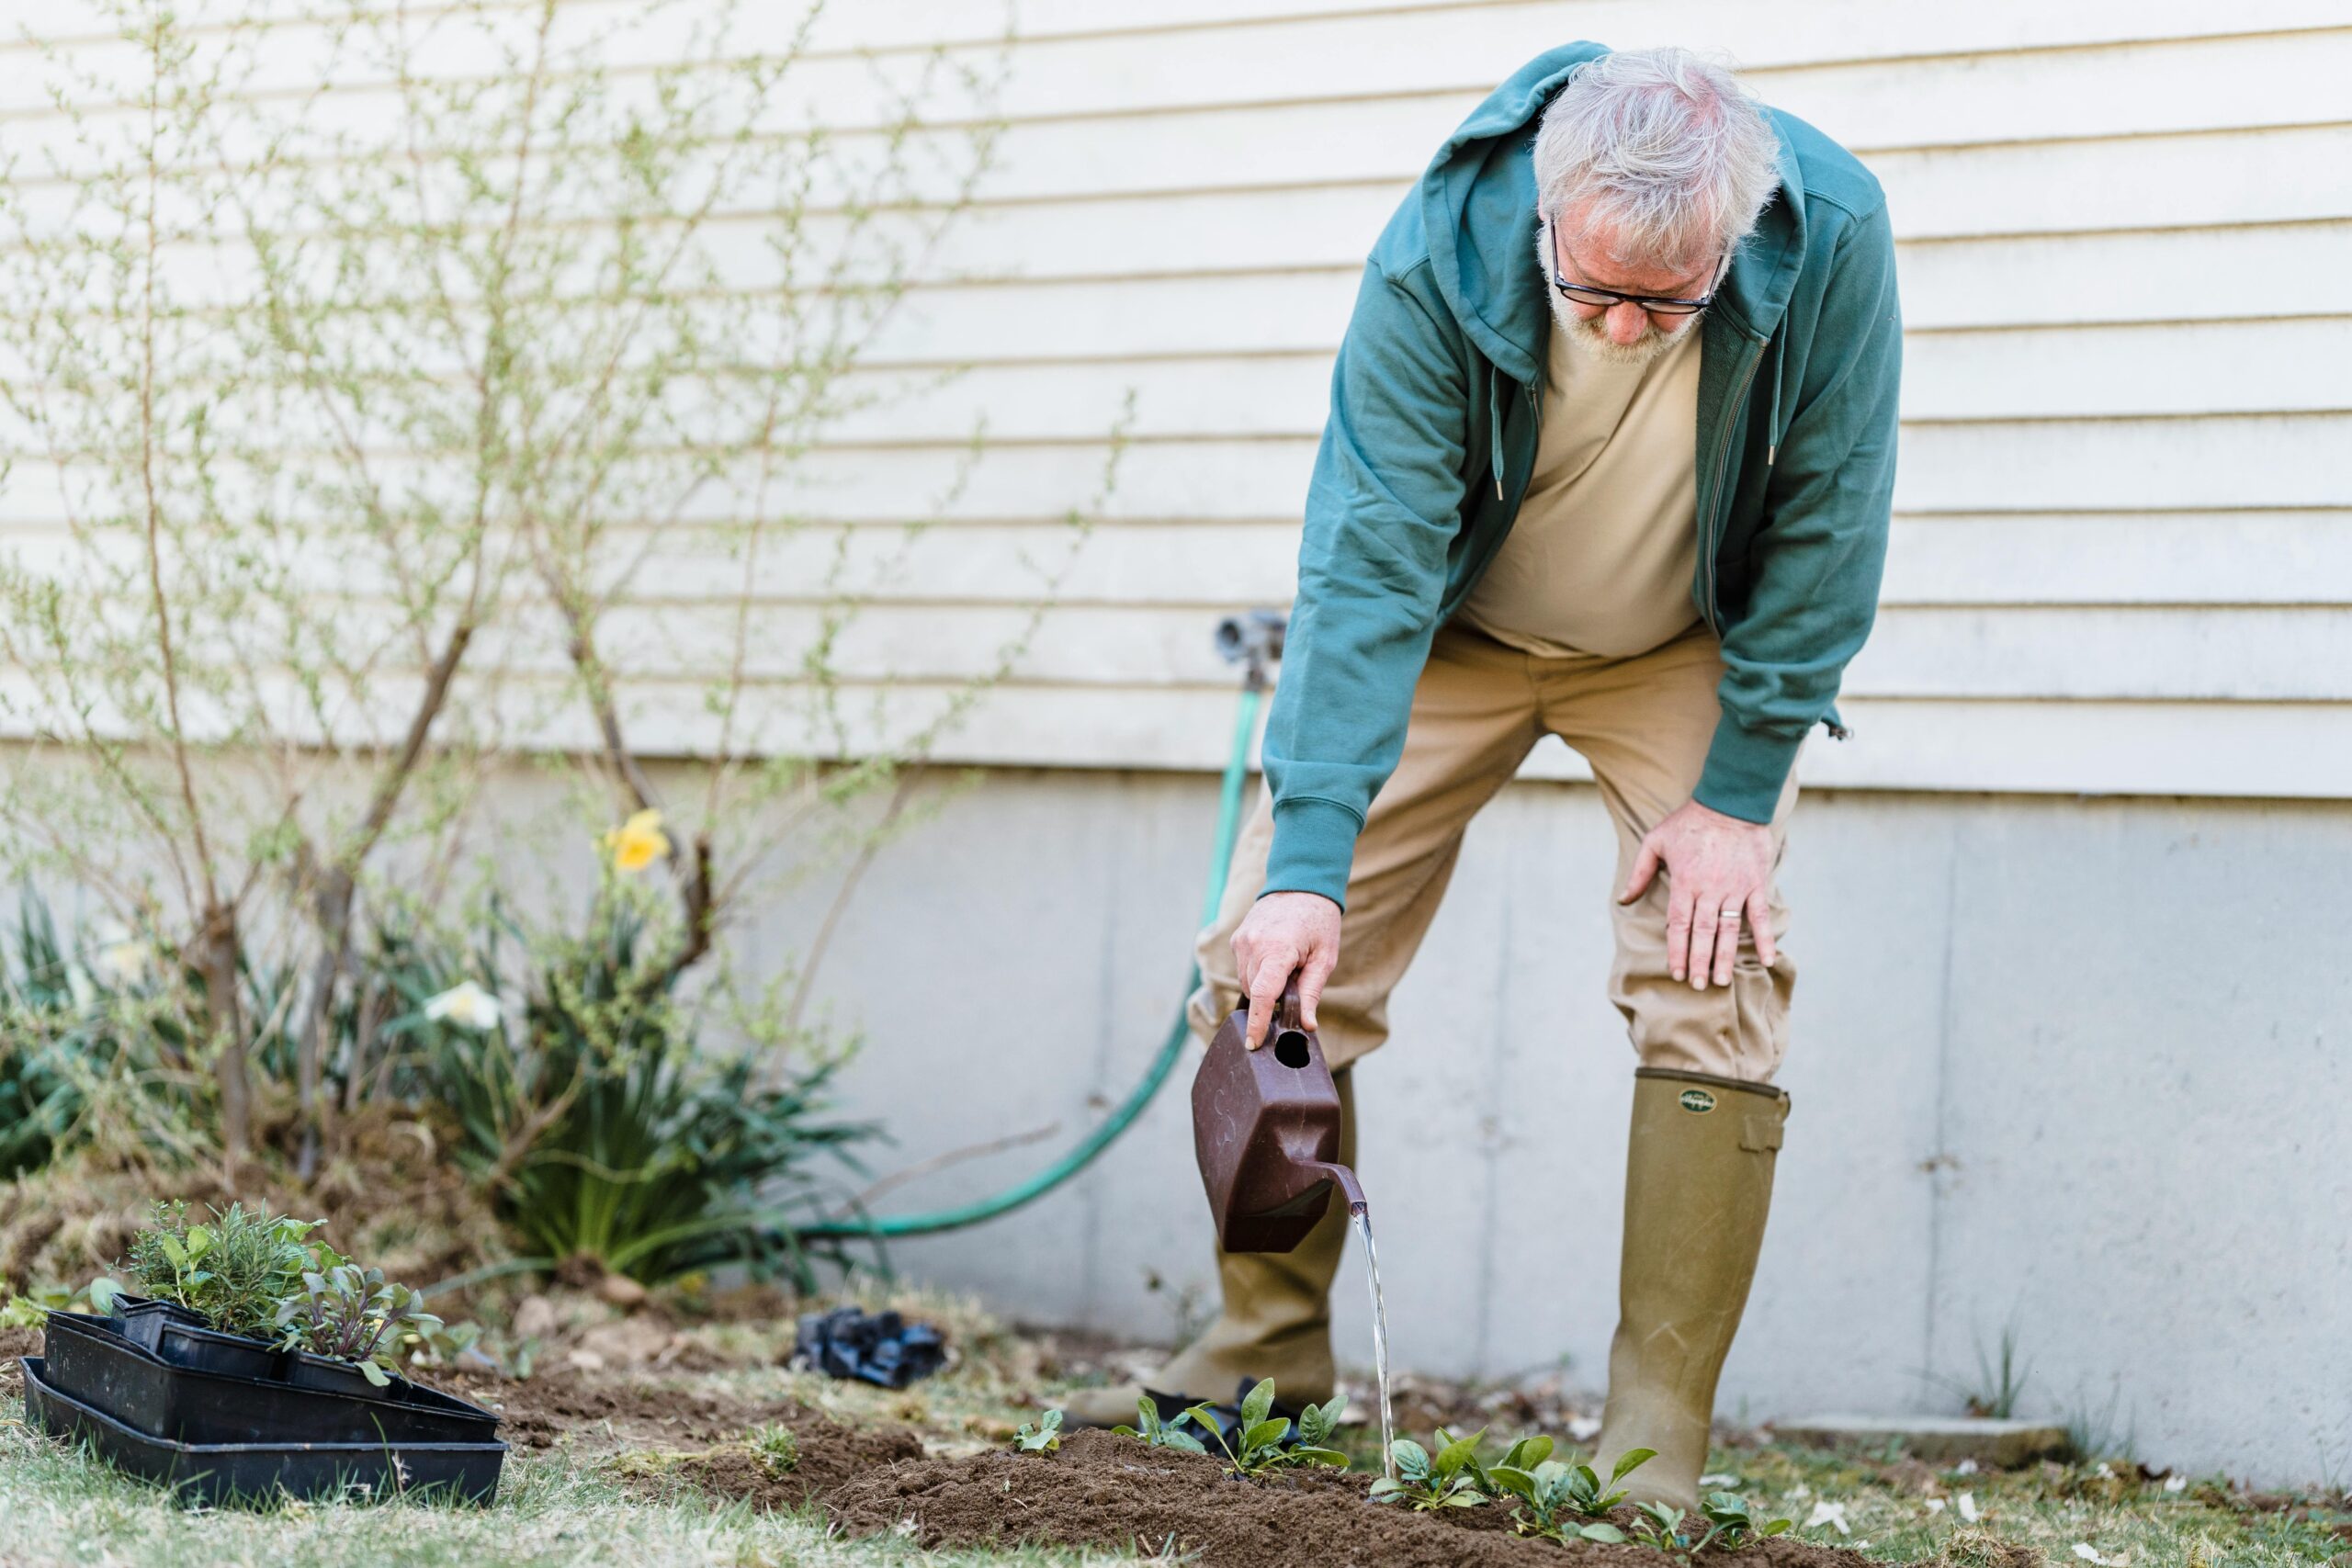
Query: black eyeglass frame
[1609,298]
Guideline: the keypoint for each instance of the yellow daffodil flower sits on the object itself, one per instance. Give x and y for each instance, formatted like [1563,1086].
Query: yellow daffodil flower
[637,842]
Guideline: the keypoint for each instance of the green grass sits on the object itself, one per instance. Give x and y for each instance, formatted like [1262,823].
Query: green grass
[60,1506]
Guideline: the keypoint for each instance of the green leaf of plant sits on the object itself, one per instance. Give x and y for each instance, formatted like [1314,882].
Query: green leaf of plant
[1331,1457]
[172,1250]
[374,1374]
[1258,1403]
[1603,1532]
[1412,1460]
[1629,1461]
[1528,1452]
[1777,1527]
[1172,1438]
[1386,1491]
[1266,1434]
[1512,1479]
[1457,1453]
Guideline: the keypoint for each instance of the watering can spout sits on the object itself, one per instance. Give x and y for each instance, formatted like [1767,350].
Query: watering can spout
[1266,1132]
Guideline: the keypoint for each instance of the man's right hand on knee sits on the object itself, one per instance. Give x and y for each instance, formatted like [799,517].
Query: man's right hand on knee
[1285,934]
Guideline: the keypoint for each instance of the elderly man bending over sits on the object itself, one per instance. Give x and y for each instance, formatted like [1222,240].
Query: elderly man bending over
[1610,455]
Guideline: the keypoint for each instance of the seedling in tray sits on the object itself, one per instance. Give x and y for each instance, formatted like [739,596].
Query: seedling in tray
[1260,1435]
[1568,1502]
[1160,1434]
[351,1314]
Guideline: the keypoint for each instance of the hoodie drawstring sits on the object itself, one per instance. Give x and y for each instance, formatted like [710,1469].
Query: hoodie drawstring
[1772,429]
[1496,406]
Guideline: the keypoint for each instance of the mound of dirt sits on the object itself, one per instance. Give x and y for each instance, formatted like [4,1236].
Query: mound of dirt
[830,1456]
[1104,1490]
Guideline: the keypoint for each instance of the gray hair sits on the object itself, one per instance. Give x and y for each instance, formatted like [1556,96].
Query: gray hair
[1667,152]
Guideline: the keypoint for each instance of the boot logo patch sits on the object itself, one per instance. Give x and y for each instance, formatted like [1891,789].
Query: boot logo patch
[1697,1100]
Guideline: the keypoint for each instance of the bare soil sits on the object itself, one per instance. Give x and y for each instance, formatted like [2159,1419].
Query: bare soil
[656,1425]
[1102,1490]
[16,1342]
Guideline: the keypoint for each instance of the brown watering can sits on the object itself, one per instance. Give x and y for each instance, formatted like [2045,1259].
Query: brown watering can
[1266,1132]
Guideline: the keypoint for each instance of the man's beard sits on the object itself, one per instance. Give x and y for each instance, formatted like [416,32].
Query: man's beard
[1591,339]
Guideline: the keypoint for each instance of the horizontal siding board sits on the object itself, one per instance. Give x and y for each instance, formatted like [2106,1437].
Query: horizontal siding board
[2280,460]
[2127,87]
[2123,558]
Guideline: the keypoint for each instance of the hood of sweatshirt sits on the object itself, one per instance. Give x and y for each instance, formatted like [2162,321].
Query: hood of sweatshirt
[1477,202]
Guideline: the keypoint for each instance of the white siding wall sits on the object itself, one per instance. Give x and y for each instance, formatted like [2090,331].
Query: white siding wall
[2123,549]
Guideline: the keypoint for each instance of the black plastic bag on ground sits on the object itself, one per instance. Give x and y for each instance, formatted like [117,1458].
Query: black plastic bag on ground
[882,1348]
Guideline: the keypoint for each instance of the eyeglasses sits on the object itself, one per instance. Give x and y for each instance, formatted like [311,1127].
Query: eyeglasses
[1607,299]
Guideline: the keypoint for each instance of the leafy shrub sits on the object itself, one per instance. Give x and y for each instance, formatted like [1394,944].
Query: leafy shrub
[1261,1433]
[607,1129]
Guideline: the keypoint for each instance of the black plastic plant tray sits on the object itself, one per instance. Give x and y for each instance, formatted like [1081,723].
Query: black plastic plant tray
[90,1362]
[140,1319]
[180,1336]
[231,1472]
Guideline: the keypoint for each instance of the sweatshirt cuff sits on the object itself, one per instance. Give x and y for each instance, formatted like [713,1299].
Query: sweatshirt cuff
[1747,769]
[1315,845]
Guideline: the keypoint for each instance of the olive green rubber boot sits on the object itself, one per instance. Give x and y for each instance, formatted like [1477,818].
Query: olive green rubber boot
[1275,1322]
[1698,1186]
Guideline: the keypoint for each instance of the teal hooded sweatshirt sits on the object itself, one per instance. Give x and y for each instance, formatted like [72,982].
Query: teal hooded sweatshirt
[1435,400]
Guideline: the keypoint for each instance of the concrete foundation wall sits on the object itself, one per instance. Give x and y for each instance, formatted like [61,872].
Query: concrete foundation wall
[2080,1068]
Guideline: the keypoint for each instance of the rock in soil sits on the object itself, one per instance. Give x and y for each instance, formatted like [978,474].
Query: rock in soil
[1104,1490]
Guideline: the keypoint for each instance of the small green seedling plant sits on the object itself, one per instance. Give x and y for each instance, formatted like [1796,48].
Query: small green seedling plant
[235,1269]
[352,1314]
[1151,1430]
[1659,1525]
[1569,1502]
[1045,1438]
[1261,1433]
[1732,1524]
[1452,1478]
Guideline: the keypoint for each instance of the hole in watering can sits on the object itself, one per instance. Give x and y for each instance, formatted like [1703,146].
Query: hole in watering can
[1289,1048]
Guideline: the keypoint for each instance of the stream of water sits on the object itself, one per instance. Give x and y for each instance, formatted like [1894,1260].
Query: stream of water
[1362,1214]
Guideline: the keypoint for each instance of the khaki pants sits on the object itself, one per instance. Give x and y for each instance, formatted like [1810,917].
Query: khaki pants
[1643,723]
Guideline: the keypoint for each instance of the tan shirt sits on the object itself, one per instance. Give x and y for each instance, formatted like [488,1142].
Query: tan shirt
[1600,559]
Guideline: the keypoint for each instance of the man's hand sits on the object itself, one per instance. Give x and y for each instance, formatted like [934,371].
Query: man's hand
[1284,933]
[1717,867]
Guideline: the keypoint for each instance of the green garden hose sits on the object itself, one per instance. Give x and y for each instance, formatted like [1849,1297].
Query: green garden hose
[1229,823]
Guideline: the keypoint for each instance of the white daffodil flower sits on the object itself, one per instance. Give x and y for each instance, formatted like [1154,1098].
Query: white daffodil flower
[1966,1504]
[1935,1505]
[1965,1467]
[2083,1549]
[466,1005]
[1827,1513]
[2175,1483]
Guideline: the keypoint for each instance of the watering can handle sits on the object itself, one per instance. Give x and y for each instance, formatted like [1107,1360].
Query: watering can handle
[1288,1011]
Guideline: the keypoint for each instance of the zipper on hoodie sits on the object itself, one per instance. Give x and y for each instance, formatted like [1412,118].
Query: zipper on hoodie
[1708,532]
